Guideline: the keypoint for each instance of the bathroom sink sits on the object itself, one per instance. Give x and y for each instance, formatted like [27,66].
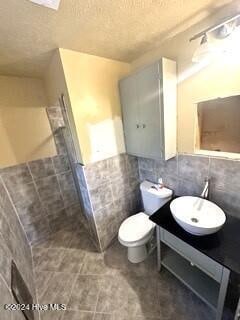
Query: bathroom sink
[197,216]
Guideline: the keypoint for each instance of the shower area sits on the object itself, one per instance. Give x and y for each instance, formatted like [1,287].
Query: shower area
[75,189]
[107,190]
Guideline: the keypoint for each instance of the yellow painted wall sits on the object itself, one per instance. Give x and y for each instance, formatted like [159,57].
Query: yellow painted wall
[55,84]
[196,82]
[25,132]
[54,80]
[92,84]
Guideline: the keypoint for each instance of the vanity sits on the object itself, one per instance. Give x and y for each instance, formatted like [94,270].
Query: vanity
[205,264]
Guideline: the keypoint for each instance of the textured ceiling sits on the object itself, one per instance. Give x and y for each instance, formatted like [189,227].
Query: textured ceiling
[117,29]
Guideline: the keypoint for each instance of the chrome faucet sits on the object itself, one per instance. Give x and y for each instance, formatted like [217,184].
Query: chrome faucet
[205,192]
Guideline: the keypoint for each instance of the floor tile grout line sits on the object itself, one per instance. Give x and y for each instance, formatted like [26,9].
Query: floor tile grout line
[40,245]
[71,291]
[95,310]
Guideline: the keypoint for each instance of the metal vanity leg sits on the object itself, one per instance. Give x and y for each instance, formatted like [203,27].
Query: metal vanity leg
[222,293]
[158,249]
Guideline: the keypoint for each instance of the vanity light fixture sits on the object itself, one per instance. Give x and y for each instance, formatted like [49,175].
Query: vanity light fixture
[210,46]
[205,51]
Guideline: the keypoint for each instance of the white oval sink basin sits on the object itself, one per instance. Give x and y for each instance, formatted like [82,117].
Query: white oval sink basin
[197,216]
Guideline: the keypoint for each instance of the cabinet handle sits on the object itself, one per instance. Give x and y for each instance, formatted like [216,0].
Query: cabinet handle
[144,126]
[138,126]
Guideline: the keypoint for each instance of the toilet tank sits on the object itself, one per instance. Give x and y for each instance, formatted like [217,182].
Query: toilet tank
[153,196]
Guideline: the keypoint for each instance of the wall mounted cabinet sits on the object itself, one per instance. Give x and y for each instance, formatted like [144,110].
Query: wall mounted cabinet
[148,100]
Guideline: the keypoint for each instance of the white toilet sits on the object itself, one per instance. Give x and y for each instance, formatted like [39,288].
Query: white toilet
[136,232]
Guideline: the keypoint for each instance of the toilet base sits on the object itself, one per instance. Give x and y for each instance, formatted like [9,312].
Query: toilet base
[137,254]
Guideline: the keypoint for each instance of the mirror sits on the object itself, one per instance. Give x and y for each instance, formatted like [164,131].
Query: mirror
[219,78]
[218,125]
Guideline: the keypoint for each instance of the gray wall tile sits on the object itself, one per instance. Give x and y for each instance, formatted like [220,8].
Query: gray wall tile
[189,188]
[68,189]
[53,203]
[186,174]
[6,231]
[116,167]
[120,186]
[55,117]
[38,230]
[60,143]
[66,181]
[166,169]
[96,174]
[50,195]
[193,168]
[148,175]
[70,197]
[27,203]
[74,210]
[54,112]
[110,183]
[5,261]
[146,164]
[58,220]
[5,298]
[101,196]
[7,207]
[132,166]
[41,168]
[114,183]
[225,174]
[15,177]
[229,201]
[171,182]
[47,187]
[14,244]
[61,163]
[38,190]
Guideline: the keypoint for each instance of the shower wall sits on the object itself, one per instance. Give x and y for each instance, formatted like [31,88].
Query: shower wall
[64,144]
[111,193]
[43,191]
[44,195]
[13,246]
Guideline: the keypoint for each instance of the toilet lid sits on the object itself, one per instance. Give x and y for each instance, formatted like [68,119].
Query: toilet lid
[135,227]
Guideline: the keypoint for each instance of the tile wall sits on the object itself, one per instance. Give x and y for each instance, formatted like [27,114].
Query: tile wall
[65,145]
[185,174]
[13,246]
[110,190]
[56,121]
[44,195]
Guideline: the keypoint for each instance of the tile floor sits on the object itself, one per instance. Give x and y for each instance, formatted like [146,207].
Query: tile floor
[105,286]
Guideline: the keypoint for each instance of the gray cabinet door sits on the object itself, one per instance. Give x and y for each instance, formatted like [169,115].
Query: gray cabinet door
[130,113]
[149,115]
[148,89]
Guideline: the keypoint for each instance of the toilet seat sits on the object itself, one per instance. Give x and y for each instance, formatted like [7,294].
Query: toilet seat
[136,230]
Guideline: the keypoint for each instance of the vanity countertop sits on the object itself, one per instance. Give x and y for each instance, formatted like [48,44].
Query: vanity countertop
[223,246]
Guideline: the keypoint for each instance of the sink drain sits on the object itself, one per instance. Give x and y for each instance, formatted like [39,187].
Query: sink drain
[195,220]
